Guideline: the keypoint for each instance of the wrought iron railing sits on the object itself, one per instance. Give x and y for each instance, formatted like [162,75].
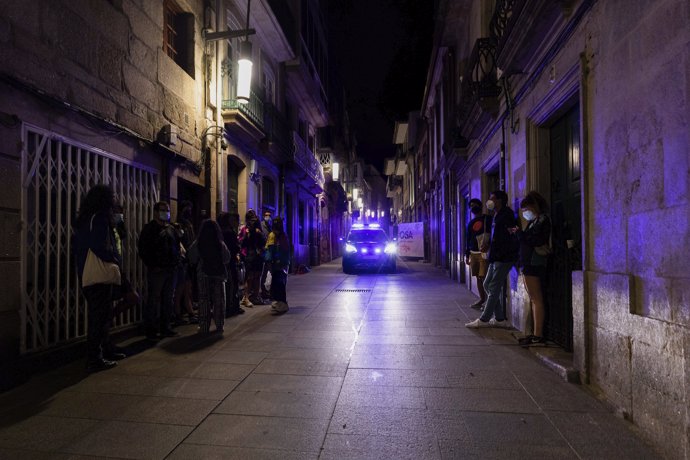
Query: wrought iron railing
[305,158]
[480,79]
[503,20]
[253,110]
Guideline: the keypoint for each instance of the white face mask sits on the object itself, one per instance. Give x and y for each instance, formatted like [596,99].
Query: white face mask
[528,215]
[490,205]
[267,219]
[164,215]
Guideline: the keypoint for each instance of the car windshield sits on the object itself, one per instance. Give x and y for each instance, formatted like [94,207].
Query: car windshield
[367,236]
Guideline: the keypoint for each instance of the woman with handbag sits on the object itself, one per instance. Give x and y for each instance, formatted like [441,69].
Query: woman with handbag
[535,247]
[98,267]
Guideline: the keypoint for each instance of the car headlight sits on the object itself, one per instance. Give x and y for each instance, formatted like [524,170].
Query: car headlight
[390,248]
[350,248]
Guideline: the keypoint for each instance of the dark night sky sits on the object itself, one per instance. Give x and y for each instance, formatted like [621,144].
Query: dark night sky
[381,49]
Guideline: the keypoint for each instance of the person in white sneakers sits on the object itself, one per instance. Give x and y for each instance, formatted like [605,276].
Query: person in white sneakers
[278,256]
[503,255]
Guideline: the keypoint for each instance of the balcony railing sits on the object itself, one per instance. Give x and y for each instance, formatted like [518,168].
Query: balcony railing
[305,158]
[479,85]
[253,110]
[504,19]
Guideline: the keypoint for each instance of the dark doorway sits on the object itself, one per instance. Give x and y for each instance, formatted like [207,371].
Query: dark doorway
[189,191]
[233,185]
[564,141]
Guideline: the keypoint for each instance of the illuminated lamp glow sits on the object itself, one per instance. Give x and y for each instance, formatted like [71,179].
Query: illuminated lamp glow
[350,248]
[244,77]
[335,171]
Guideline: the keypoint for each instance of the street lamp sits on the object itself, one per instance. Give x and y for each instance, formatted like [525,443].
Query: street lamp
[335,171]
[355,193]
[244,79]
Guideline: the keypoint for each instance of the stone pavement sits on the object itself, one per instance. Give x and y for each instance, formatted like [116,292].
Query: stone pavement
[365,366]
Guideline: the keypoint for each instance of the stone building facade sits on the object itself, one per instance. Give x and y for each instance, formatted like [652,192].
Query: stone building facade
[586,102]
[136,94]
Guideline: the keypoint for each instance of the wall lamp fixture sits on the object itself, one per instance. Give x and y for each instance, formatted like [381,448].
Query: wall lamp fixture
[244,77]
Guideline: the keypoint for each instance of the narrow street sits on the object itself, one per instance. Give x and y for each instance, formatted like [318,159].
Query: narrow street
[362,366]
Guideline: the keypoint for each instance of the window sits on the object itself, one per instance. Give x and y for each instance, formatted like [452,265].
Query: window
[269,85]
[301,223]
[268,195]
[178,36]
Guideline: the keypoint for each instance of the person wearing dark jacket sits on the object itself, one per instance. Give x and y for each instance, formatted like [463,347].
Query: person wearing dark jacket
[95,232]
[503,254]
[477,230]
[159,247]
[278,257]
[534,249]
[228,225]
[210,256]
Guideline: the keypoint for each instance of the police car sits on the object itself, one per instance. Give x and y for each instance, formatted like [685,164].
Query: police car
[368,246]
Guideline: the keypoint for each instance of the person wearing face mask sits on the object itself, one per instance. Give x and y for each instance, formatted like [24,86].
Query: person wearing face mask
[502,255]
[266,230]
[477,231]
[534,249]
[159,247]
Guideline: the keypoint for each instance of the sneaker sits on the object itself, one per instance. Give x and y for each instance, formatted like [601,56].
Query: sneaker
[279,307]
[504,324]
[257,301]
[478,304]
[246,303]
[478,323]
[99,365]
[531,340]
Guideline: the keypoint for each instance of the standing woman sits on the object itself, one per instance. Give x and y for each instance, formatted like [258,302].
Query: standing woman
[210,256]
[252,244]
[534,249]
[99,269]
[278,256]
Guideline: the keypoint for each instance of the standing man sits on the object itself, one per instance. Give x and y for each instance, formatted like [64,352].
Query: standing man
[503,254]
[266,230]
[159,248]
[477,231]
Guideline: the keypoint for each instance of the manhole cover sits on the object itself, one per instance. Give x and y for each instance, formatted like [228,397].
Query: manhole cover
[353,290]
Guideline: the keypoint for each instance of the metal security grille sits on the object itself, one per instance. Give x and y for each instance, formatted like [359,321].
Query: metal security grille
[56,174]
[353,290]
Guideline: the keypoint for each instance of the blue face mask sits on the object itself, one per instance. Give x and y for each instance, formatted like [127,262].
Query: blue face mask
[528,215]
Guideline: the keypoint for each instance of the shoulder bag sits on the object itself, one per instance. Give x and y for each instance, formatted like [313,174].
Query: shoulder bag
[97,271]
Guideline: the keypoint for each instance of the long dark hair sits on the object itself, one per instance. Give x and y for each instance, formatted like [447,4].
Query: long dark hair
[100,198]
[210,241]
[279,231]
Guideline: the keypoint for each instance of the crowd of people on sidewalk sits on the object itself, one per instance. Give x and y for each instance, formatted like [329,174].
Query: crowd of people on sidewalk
[192,277]
[496,242]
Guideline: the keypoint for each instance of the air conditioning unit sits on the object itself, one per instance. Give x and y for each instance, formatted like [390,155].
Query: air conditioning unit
[168,135]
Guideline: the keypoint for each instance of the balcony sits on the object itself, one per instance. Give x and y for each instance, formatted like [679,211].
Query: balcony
[307,167]
[244,122]
[520,28]
[479,90]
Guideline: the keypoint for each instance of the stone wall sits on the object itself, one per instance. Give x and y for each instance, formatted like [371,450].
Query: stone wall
[106,57]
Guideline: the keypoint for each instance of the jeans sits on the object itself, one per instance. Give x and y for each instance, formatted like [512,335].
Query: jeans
[494,285]
[278,285]
[159,306]
[99,307]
